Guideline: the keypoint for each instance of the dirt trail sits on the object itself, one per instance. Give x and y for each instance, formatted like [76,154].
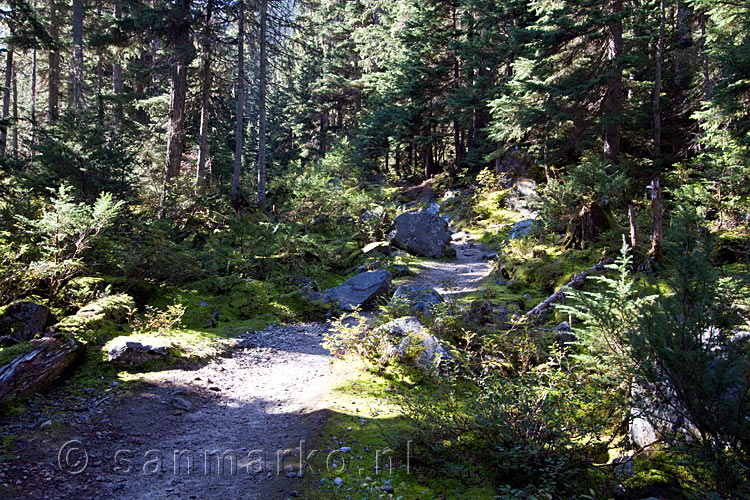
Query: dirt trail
[163,439]
[454,278]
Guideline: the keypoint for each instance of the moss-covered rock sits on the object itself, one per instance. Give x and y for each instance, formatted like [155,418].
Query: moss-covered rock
[97,318]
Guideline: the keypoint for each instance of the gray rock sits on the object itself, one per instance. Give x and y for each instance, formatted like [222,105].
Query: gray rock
[459,236]
[181,402]
[309,291]
[421,233]
[565,334]
[522,197]
[624,466]
[516,162]
[359,291]
[378,246]
[433,209]
[652,417]
[128,350]
[375,213]
[411,343]
[521,229]
[420,300]
[23,320]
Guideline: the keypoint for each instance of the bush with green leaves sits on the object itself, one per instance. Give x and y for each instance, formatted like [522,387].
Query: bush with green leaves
[537,432]
[54,243]
[583,185]
[676,353]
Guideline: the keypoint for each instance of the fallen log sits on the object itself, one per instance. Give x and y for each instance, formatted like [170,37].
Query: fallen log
[31,372]
[576,282]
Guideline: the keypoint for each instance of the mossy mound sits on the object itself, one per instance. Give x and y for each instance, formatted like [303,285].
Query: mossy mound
[97,319]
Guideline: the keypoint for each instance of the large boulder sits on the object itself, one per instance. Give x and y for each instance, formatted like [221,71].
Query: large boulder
[521,229]
[421,233]
[515,162]
[135,351]
[421,300]
[408,342]
[359,291]
[103,313]
[652,416]
[23,320]
[522,196]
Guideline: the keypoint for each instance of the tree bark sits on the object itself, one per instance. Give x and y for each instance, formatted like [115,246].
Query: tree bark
[633,229]
[15,112]
[53,79]
[704,58]
[77,86]
[117,87]
[657,88]
[657,236]
[6,100]
[262,108]
[457,146]
[181,50]
[32,372]
[99,73]
[200,174]
[239,131]
[576,282]
[33,96]
[613,97]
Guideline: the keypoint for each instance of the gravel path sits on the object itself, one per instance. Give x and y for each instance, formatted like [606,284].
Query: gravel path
[454,278]
[164,439]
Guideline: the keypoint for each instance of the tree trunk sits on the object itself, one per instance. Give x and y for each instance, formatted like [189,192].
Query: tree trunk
[262,108]
[657,235]
[181,51]
[457,146]
[77,86]
[704,58]
[633,229]
[117,87]
[657,89]
[32,372]
[613,97]
[200,174]
[33,96]
[53,98]
[99,73]
[429,169]
[576,282]
[240,126]
[6,100]
[15,113]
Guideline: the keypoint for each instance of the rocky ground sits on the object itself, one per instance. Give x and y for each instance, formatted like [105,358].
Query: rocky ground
[164,439]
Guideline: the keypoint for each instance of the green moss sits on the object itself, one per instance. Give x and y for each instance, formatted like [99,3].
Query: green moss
[98,319]
[8,354]
[364,420]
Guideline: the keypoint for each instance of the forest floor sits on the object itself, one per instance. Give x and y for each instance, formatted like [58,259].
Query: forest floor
[237,427]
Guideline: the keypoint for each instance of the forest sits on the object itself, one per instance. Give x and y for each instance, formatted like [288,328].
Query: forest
[460,249]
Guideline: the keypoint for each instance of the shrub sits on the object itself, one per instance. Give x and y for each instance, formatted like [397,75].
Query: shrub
[63,232]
